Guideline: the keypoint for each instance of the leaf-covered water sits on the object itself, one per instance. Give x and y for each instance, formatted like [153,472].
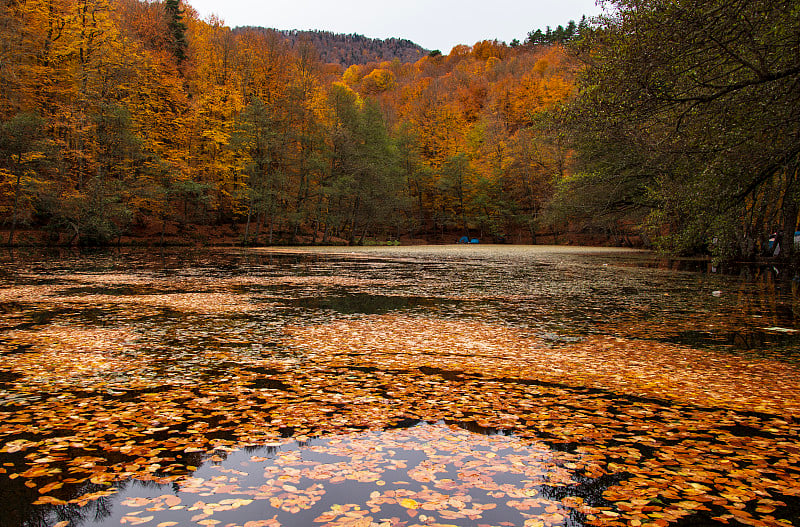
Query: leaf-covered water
[463,386]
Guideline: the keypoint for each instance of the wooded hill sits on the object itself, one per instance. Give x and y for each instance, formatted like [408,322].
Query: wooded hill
[120,115]
[346,50]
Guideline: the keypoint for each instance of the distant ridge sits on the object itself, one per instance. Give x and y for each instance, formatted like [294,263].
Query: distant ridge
[337,48]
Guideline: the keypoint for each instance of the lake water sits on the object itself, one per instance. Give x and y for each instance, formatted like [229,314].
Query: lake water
[402,386]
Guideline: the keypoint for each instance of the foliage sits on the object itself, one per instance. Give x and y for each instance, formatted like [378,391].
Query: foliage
[558,35]
[344,50]
[22,155]
[152,116]
[690,110]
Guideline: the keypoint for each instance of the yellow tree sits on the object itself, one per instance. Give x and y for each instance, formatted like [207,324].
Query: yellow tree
[69,55]
[220,89]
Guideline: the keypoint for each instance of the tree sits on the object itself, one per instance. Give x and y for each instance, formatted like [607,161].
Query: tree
[366,185]
[377,81]
[415,171]
[21,153]
[455,183]
[257,139]
[177,29]
[689,112]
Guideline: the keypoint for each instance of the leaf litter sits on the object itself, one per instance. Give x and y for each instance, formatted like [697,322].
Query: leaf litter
[602,430]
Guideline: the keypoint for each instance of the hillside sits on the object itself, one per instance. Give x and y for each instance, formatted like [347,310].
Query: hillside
[346,50]
[192,129]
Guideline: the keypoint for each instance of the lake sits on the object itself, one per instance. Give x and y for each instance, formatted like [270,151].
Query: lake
[397,387]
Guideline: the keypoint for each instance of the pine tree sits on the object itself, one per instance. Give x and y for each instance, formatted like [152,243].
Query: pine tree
[177,29]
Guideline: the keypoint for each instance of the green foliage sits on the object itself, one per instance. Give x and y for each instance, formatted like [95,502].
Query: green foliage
[366,184]
[23,152]
[690,109]
[559,35]
[177,29]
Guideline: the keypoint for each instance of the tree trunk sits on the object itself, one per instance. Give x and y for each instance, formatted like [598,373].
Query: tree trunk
[247,226]
[15,210]
[790,211]
[76,235]
[271,228]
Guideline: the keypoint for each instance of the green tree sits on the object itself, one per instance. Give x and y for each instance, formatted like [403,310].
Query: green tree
[258,140]
[21,153]
[415,171]
[689,113]
[177,29]
[456,185]
[366,185]
[103,207]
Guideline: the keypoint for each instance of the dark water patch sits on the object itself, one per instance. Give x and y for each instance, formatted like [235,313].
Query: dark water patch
[691,265]
[286,432]
[269,384]
[552,442]
[368,304]
[753,339]
[127,290]
[475,428]
[93,315]
[405,423]
[256,288]
[45,316]
[8,308]
[590,489]
[15,349]
[445,374]
[706,519]
[741,430]
[791,511]
[265,371]
[39,281]
[7,377]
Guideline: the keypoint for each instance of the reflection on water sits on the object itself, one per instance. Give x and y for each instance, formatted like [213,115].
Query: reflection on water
[428,473]
[368,304]
[562,293]
[449,385]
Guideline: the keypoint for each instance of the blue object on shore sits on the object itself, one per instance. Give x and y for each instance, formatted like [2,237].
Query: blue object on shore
[463,239]
[774,237]
[474,240]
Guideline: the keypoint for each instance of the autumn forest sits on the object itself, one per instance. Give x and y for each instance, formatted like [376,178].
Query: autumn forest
[123,117]
[278,329]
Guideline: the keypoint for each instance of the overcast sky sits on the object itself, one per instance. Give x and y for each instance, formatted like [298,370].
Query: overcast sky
[431,24]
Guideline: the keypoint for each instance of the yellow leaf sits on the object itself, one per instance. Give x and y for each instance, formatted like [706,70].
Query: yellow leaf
[49,500]
[408,503]
[50,486]
[172,501]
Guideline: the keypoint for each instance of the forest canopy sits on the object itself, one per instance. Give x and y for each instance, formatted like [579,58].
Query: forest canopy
[688,121]
[121,114]
[672,123]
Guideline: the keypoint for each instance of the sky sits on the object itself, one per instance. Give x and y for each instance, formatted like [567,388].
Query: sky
[434,24]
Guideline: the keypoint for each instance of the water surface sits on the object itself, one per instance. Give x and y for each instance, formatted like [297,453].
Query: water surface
[396,386]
